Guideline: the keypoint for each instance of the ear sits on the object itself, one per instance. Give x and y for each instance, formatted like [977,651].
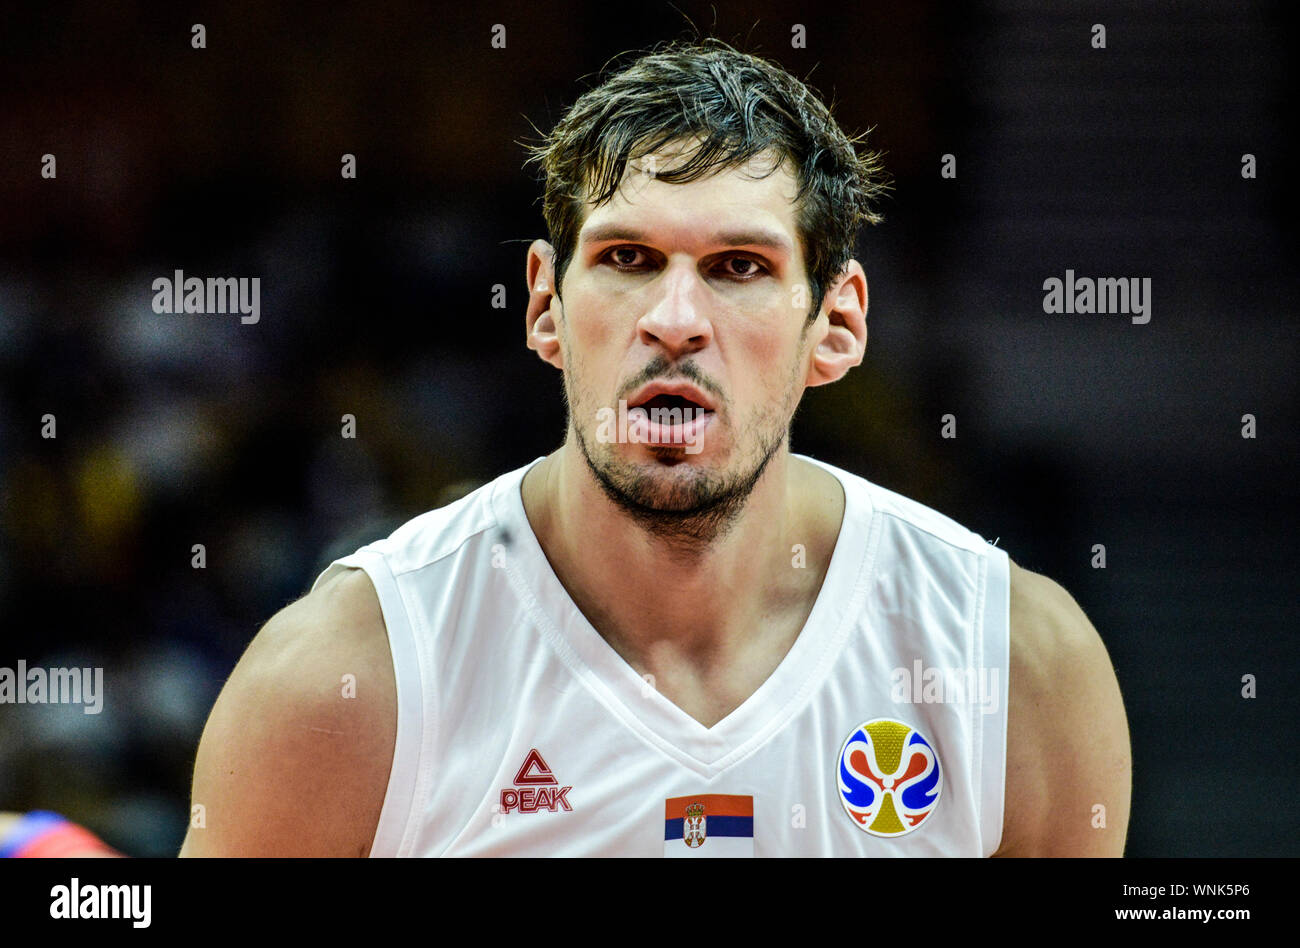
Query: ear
[841,340]
[543,304]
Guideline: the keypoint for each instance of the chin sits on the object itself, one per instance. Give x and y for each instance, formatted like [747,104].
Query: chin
[666,464]
[688,499]
[667,456]
[658,477]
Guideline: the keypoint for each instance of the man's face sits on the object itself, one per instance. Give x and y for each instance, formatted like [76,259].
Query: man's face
[702,287]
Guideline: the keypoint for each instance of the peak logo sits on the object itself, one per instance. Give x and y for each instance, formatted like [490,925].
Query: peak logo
[535,788]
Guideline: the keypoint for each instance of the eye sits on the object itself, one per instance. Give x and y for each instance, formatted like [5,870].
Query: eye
[625,258]
[742,268]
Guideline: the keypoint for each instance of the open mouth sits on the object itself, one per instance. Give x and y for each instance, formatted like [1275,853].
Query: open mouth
[668,417]
[670,402]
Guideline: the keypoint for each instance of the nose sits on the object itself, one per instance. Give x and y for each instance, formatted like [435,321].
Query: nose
[676,320]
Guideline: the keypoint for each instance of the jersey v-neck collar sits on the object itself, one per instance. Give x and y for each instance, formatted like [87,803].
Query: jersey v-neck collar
[655,718]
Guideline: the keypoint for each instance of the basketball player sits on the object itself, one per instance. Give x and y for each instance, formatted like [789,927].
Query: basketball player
[673,636]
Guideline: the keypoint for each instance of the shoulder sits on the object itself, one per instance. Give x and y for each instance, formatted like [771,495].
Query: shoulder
[295,757]
[1068,776]
[436,535]
[904,512]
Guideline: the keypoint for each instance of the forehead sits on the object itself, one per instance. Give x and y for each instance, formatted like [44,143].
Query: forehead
[746,195]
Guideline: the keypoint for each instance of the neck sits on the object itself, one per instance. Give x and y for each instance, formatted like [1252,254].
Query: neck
[643,590]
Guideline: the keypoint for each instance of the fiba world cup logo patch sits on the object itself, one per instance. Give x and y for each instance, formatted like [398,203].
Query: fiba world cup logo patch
[889,778]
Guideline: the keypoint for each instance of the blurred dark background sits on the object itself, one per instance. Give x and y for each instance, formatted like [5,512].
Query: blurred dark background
[1072,430]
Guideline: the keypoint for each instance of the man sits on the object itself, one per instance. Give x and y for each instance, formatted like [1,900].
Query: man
[672,636]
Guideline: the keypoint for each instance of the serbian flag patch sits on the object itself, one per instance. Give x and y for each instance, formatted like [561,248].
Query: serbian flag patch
[709,824]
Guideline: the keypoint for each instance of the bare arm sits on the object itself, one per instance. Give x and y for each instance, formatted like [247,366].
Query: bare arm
[1067,734]
[289,764]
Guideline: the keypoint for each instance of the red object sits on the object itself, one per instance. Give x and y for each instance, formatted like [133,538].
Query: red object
[66,839]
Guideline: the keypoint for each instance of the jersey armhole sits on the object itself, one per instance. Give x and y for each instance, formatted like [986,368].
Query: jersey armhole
[394,819]
[995,645]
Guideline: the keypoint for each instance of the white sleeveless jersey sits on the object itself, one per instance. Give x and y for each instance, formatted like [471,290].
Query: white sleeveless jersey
[521,732]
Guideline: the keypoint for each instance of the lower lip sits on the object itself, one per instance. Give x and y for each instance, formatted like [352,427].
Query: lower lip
[686,435]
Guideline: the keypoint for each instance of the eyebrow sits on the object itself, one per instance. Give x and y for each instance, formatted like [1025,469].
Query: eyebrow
[731,238]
